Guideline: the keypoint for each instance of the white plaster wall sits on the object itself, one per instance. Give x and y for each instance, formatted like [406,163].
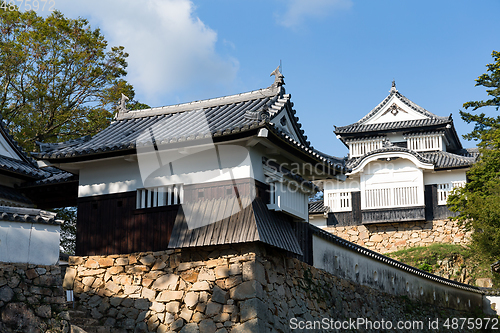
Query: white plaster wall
[387,174]
[367,271]
[441,177]
[190,166]
[492,304]
[318,220]
[31,243]
[407,114]
[350,184]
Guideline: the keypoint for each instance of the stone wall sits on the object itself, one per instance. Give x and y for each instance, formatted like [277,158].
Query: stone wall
[31,299]
[245,288]
[389,237]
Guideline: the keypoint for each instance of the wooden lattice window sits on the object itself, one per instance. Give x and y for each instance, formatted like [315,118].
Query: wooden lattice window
[160,196]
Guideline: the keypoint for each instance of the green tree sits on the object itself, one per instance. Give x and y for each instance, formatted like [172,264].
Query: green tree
[479,201]
[68,229]
[58,78]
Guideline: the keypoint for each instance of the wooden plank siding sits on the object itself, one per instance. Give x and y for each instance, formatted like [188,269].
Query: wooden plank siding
[350,218]
[400,214]
[433,211]
[111,224]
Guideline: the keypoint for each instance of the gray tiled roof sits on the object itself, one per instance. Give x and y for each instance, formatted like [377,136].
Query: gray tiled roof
[431,118]
[21,167]
[200,120]
[12,194]
[353,162]
[405,100]
[56,176]
[440,159]
[469,152]
[251,224]
[396,125]
[182,122]
[21,214]
[445,160]
[318,207]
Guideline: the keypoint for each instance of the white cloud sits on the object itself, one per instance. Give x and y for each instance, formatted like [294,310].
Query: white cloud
[300,10]
[170,48]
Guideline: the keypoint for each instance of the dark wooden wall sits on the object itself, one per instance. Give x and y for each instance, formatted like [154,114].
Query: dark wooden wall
[400,214]
[111,224]
[433,211]
[304,237]
[243,187]
[343,219]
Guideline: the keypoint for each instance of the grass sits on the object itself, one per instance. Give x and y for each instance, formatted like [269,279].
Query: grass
[429,258]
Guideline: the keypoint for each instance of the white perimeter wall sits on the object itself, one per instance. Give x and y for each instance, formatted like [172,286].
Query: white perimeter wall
[363,269]
[31,243]
[189,166]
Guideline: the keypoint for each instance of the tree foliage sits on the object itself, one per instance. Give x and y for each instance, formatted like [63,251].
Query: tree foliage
[479,201]
[68,229]
[58,78]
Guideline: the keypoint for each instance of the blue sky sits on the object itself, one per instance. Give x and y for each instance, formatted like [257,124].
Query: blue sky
[339,56]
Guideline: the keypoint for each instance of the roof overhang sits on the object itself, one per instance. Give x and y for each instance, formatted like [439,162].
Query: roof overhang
[388,156]
[265,133]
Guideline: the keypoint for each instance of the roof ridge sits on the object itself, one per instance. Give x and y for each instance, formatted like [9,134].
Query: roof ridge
[404,99]
[200,104]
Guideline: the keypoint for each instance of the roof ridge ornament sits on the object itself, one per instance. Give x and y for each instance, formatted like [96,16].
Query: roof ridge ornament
[122,106]
[278,78]
[393,87]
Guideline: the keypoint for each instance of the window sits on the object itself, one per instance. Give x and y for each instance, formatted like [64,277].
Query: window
[160,196]
[443,190]
[425,142]
[360,148]
[339,201]
[286,195]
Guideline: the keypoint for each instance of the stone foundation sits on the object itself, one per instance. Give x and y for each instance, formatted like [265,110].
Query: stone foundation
[389,237]
[31,299]
[245,288]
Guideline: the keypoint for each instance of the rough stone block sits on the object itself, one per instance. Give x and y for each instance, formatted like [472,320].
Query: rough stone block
[221,272]
[147,260]
[219,295]
[121,261]
[172,307]
[206,275]
[157,307]
[6,294]
[186,314]
[254,270]
[159,264]
[213,309]
[190,328]
[191,299]
[200,286]
[167,296]
[246,290]
[207,326]
[252,308]
[168,281]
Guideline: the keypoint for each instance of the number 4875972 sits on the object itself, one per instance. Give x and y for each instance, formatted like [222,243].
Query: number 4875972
[27,5]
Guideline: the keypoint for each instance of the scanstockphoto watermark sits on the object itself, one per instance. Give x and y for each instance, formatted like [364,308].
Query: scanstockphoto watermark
[438,324]
[27,5]
[331,324]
